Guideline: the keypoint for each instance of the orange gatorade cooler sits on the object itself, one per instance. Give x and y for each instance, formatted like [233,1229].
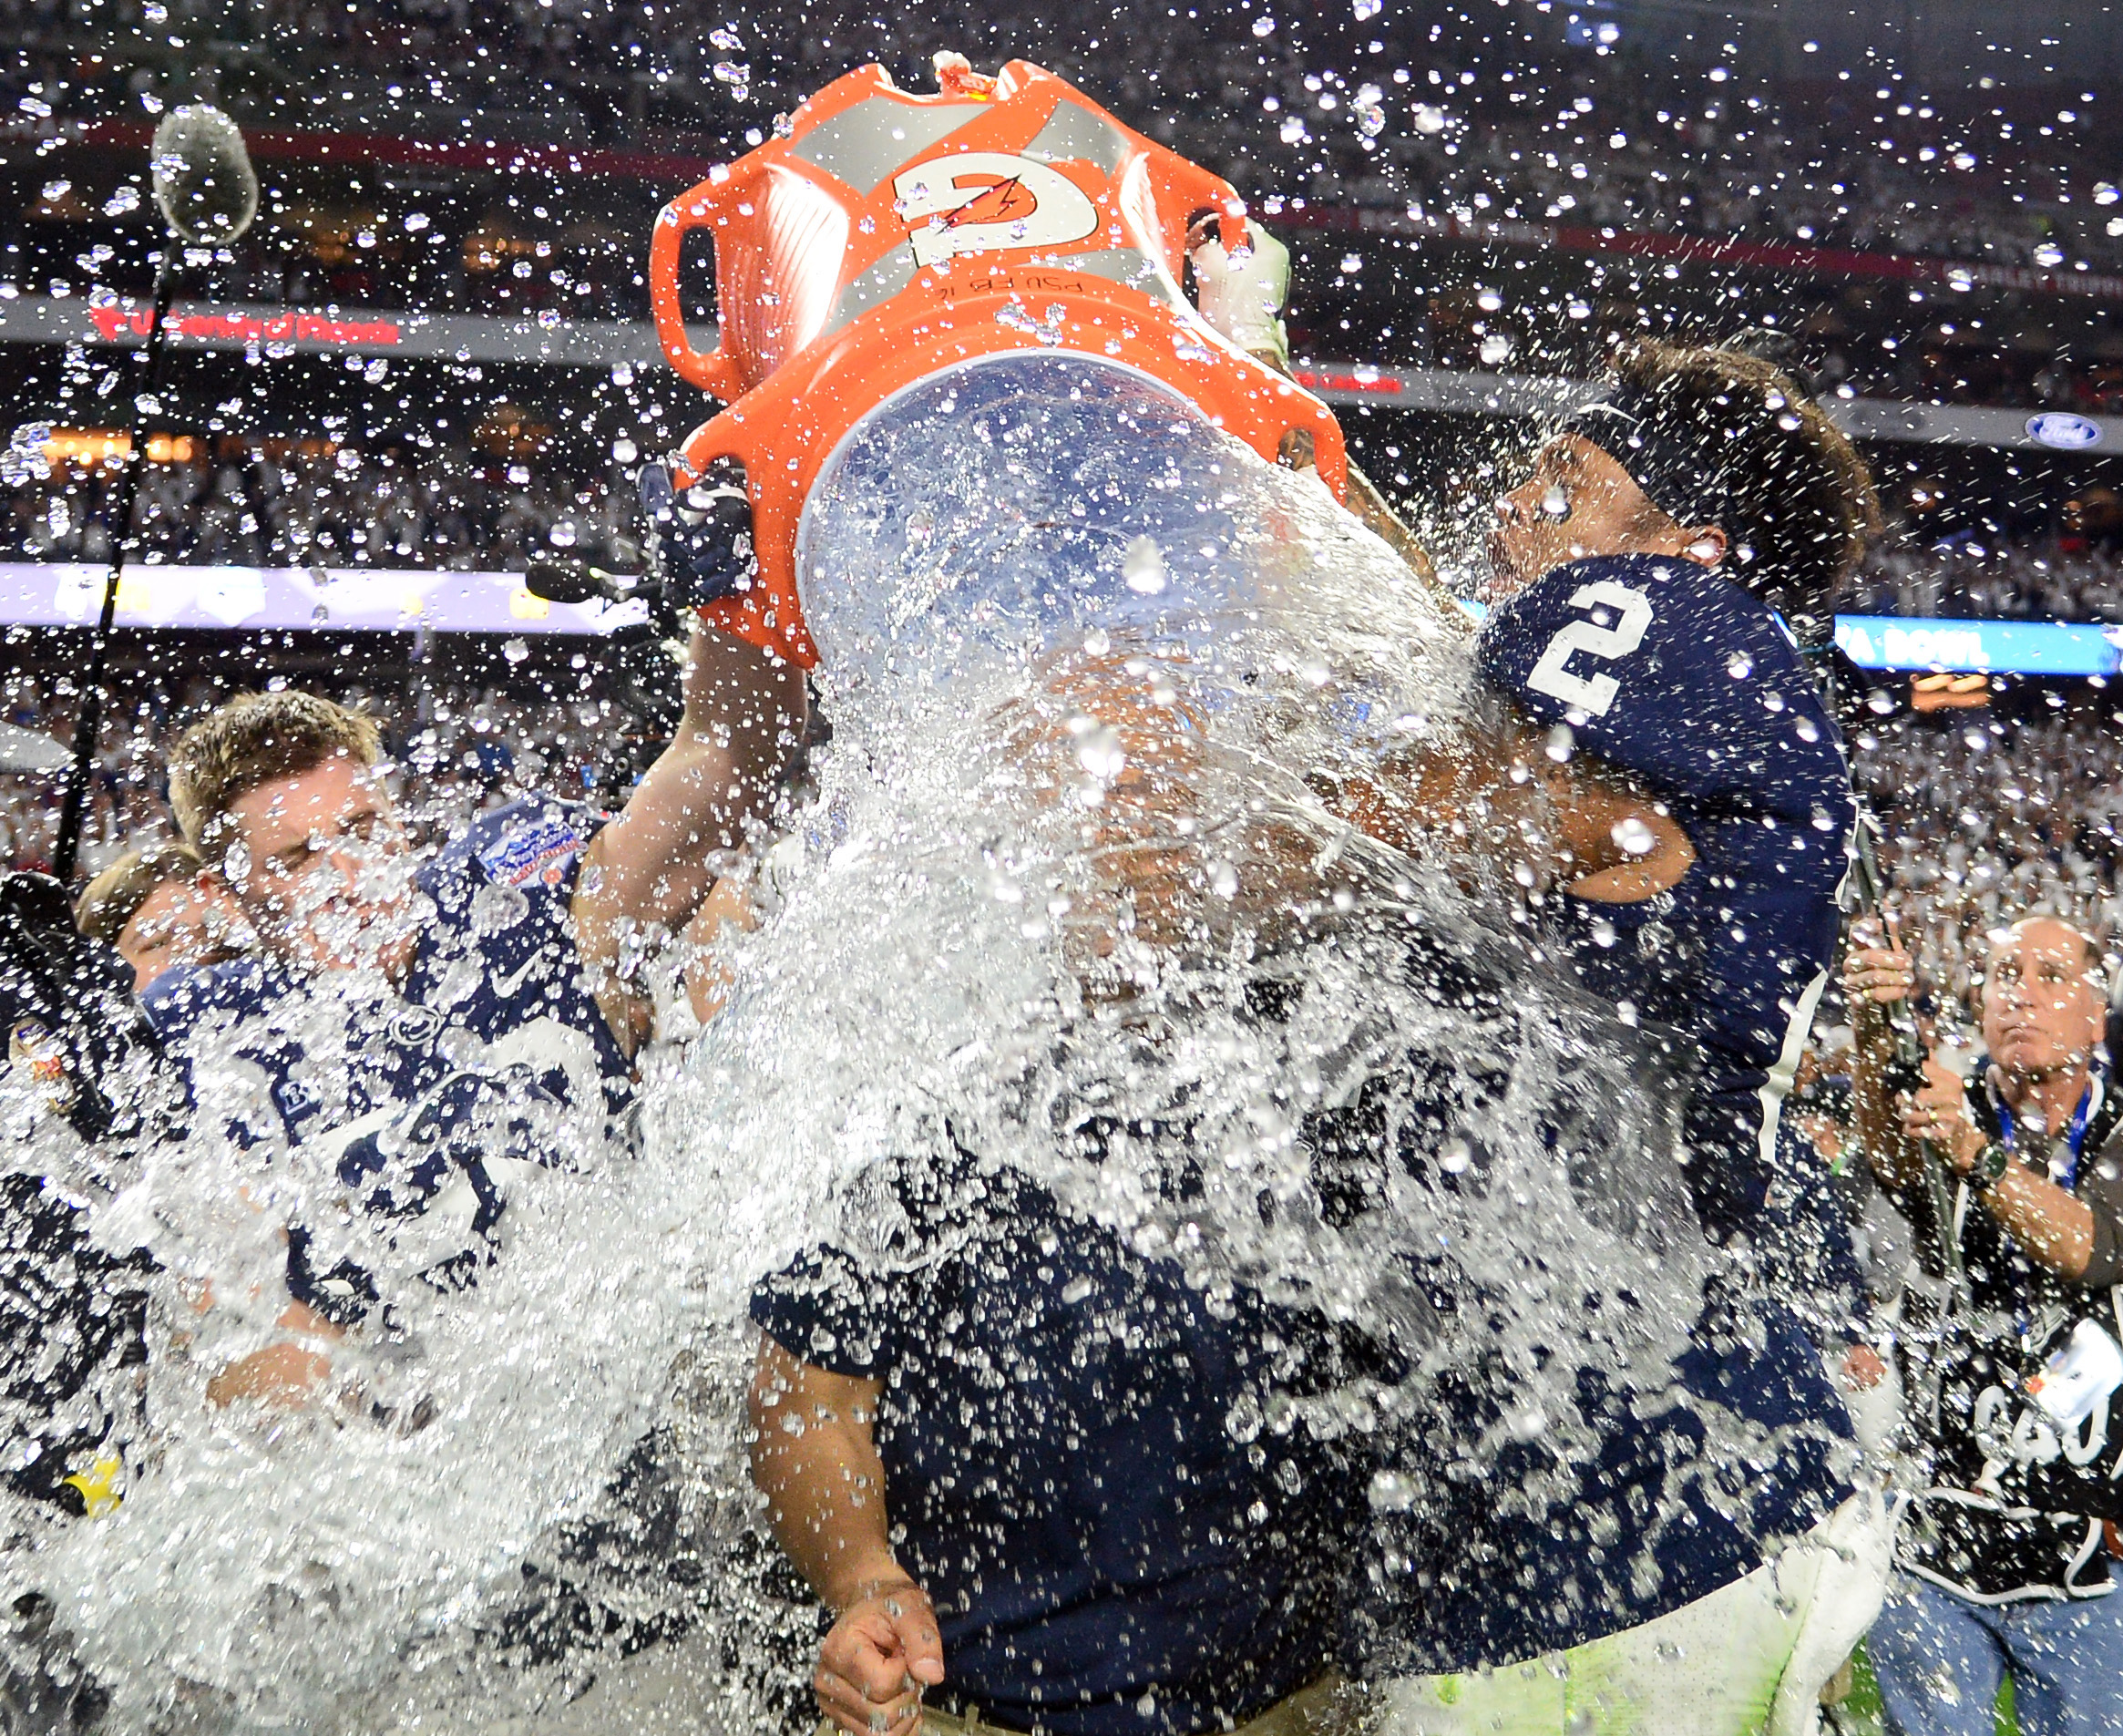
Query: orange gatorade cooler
[887,238]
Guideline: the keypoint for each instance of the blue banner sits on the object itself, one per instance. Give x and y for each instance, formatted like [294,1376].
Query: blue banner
[1987,647]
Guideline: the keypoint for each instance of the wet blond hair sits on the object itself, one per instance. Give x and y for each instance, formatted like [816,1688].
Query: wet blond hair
[114,896]
[254,740]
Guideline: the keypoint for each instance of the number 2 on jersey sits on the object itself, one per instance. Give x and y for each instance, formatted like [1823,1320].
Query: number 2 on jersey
[1592,694]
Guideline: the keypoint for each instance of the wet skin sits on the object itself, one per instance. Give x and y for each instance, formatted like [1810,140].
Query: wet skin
[313,867]
[180,922]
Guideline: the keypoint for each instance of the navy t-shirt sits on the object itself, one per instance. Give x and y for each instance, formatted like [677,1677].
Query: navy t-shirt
[1076,1462]
[424,1095]
[1663,670]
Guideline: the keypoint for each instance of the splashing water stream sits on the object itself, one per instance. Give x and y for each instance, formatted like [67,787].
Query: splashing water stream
[1091,665]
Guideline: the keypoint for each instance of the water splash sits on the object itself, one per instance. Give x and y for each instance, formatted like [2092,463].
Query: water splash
[1069,862]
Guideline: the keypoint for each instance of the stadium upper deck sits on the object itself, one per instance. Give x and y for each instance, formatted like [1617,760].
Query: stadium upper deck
[1940,198]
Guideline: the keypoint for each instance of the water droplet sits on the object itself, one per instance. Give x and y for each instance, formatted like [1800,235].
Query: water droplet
[1142,566]
[1390,1492]
[1098,751]
[1529,1423]
[1633,836]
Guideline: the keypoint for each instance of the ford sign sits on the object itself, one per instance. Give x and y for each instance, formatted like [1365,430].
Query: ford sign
[2064,430]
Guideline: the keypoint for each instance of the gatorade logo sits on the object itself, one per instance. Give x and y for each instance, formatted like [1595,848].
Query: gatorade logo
[980,201]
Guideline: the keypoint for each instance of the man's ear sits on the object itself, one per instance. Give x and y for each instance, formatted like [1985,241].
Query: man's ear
[1707,545]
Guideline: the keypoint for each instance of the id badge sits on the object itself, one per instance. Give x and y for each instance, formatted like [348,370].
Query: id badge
[2079,1376]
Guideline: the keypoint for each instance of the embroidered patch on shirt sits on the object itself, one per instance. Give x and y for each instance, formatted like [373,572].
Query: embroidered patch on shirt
[539,850]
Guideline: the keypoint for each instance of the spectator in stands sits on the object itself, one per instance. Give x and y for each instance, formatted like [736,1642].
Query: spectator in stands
[2092,519]
[160,909]
[2006,1570]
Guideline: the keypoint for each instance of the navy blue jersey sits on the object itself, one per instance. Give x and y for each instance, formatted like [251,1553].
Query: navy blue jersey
[1665,671]
[422,1094]
[1075,1465]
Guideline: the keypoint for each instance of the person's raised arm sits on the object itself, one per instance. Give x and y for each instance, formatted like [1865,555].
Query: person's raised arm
[2050,1224]
[2054,1226]
[652,866]
[814,1458]
[1503,798]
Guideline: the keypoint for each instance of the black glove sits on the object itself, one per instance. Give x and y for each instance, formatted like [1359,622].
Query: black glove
[699,544]
[71,1018]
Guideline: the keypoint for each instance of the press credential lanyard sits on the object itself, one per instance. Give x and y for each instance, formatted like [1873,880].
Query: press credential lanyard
[2075,1137]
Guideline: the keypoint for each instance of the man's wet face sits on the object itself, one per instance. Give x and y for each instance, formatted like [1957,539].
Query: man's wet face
[2043,1009]
[1577,502]
[179,922]
[321,866]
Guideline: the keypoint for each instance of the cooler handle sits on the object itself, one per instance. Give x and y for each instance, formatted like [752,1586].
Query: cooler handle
[700,208]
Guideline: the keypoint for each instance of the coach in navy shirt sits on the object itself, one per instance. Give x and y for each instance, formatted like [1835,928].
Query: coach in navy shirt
[426,1025]
[1092,1531]
[1676,784]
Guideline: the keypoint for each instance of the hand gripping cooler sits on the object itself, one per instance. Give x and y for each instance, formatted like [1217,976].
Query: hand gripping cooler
[889,238]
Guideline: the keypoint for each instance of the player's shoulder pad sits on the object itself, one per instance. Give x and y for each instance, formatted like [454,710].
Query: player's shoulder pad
[1661,667]
[183,998]
[533,842]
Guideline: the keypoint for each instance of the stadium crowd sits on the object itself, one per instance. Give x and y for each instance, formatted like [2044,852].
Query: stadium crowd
[1731,161]
[332,506]
[235,502]
[1594,144]
[1985,818]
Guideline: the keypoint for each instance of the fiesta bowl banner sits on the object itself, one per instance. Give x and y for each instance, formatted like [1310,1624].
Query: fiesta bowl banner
[308,599]
[1984,647]
[406,599]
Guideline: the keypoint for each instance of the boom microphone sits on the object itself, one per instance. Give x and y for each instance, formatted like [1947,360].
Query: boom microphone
[579,581]
[204,183]
[208,193]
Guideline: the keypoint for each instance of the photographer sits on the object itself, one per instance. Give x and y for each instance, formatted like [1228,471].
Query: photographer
[2005,1566]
